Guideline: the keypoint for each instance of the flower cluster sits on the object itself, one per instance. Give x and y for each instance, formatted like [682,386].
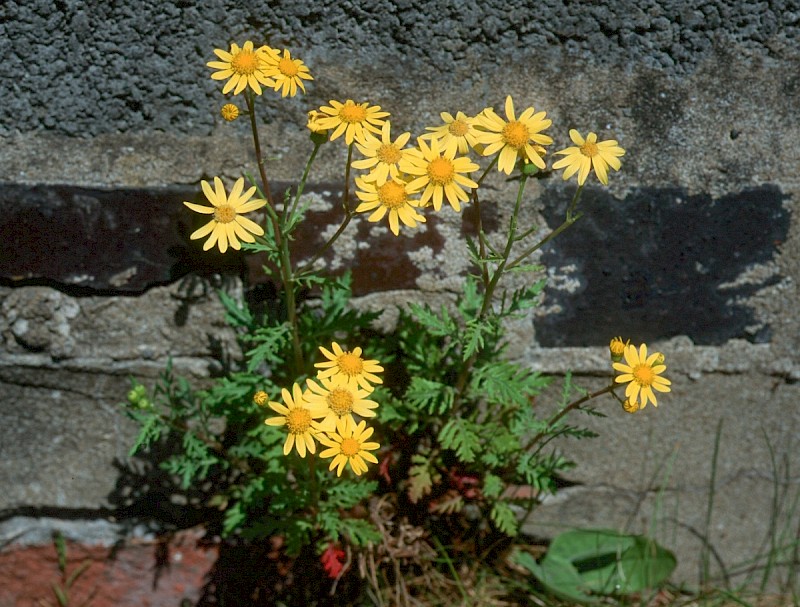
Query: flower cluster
[400,180]
[641,372]
[324,411]
[247,66]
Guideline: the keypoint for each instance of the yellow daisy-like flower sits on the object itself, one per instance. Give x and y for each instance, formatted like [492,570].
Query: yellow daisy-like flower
[515,137]
[456,134]
[229,112]
[243,67]
[349,364]
[349,445]
[589,154]
[642,374]
[617,348]
[298,416]
[288,74]
[441,174]
[382,156]
[390,197]
[228,226]
[351,119]
[341,397]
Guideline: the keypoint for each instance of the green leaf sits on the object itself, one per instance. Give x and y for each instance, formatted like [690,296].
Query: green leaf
[360,533]
[421,477]
[347,493]
[270,345]
[235,315]
[441,324]
[558,577]
[150,430]
[474,336]
[492,486]
[504,518]
[585,563]
[434,397]
[470,301]
[461,435]
[504,383]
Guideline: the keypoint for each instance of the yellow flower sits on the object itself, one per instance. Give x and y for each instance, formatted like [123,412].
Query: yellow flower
[382,156]
[351,119]
[312,125]
[288,74]
[243,67]
[260,398]
[349,364]
[229,112]
[642,374]
[228,226]
[298,416]
[630,407]
[441,174]
[341,397]
[348,445]
[589,154]
[390,197]
[456,134]
[617,348]
[515,137]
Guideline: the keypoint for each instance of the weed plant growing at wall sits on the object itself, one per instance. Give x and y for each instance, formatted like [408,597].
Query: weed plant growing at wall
[336,438]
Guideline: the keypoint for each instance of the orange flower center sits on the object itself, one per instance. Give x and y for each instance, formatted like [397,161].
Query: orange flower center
[589,149]
[441,171]
[287,67]
[515,134]
[392,195]
[224,214]
[350,447]
[352,113]
[350,364]
[340,401]
[389,154]
[298,420]
[458,128]
[244,63]
[643,375]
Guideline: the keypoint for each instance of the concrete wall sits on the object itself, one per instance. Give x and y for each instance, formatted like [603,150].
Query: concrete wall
[694,246]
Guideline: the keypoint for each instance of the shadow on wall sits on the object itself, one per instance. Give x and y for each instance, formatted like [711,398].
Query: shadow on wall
[660,263]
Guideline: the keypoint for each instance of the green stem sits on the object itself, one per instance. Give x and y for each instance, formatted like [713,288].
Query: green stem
[488,294]
[488,168]
[302,185]
[282,244]
[312,472]
[249,98]
[348,216]
[555,418]
[482,244]
[570,219]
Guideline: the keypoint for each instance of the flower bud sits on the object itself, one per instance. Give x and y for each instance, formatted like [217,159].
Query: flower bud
[318,134]
[229,112]
[617,348]
[630,407]
[260,398]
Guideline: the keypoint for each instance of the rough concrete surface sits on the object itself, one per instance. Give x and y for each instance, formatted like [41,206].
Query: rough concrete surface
[704,97]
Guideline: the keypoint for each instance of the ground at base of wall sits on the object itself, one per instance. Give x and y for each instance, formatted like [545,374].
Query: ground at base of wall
[142,573]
